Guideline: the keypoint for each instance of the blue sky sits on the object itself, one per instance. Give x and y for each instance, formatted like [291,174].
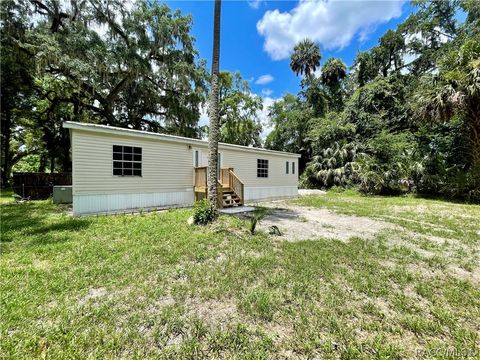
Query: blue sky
[242,45]
[257,36]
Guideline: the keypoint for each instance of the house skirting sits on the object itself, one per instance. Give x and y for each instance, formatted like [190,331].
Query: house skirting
[110,203]
[267,192]
[106,203]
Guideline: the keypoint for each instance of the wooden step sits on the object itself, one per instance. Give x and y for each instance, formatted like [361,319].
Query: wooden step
[235,199]
[230,198]
[230,205]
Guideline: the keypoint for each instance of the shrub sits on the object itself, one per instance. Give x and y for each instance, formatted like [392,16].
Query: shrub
[331,167]
[257,215]
[204,212]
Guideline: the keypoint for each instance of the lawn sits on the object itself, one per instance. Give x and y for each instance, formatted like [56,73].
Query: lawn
[150,285]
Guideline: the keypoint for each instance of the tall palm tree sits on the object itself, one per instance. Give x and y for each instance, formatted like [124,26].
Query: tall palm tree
[213,110]
[305,58]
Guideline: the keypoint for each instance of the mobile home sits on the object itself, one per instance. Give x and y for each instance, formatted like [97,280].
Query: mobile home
[115,169]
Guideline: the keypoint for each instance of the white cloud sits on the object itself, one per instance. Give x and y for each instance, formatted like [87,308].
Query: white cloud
[203,120]
[317,72]
[411,56]
[254,4]
[264,79]
[267,92]
[267,126]
[331,23]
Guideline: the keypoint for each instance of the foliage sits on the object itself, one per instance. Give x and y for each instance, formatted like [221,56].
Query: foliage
[17,82]
[291,121]
[257,215]
[333,166]
[455,90]
[95,62]
[305,58]
[333,128]
[239,109]
[204,212]
[334,71]
[415,118]
[29,163]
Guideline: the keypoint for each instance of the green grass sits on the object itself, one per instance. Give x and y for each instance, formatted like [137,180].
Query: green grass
[150,285]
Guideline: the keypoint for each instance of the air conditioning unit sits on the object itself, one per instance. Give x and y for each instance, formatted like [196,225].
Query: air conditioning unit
[62,194]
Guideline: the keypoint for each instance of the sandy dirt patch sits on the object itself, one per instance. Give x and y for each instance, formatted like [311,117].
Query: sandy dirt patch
[308,192]
[301,223]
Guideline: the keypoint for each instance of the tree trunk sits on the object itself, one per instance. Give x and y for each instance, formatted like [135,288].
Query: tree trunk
[66,163]
[6,129]
[52,164]
[475,139]
[43,163]
[213,110]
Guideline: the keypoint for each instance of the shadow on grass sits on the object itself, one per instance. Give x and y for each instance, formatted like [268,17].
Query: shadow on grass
[69,224]
[448,200]
[37,219]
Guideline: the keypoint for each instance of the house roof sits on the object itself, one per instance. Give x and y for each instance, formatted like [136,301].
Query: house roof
[171,138]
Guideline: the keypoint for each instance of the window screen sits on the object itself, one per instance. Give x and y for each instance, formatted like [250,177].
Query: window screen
[127,160]
[293,167]
[286,169]
[196,158]
[262,168]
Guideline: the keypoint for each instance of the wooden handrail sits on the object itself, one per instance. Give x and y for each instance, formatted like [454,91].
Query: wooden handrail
[236,176]
[237,186]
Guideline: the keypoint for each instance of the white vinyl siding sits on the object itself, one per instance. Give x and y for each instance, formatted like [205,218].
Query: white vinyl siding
[244,164]
[166,166]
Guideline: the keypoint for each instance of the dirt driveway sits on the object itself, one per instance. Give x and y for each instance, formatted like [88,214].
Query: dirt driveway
[302,223]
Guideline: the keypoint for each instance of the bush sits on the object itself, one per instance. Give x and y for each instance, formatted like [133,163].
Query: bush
[331,167]
[454,183]
[204,212]
[257,215]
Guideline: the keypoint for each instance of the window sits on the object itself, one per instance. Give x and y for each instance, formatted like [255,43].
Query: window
[127,160]
[262,168]
[286,169]
[293,167]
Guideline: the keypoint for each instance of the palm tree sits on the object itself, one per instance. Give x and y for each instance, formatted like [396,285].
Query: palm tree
[333,73]
[455,92]
[305,58]
[213,110]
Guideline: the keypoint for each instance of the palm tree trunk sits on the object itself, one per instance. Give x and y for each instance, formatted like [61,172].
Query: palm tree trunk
[213,110]
[475,139]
